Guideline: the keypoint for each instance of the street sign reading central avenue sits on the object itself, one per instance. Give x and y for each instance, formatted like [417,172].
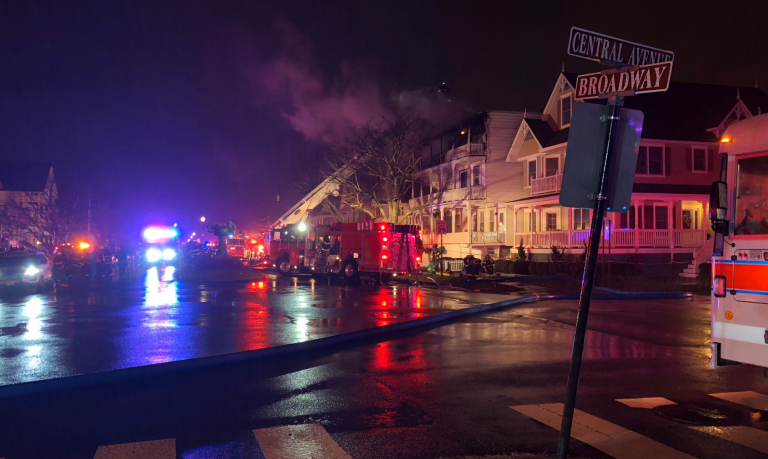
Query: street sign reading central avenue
[626,81]
[613,51]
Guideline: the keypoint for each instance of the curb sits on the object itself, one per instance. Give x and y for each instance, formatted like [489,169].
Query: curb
[288,350]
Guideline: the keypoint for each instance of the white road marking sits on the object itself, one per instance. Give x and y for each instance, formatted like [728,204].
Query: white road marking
[647,402]
[609,438]
[157,449]
[298,442]
[745,436]
[746,398]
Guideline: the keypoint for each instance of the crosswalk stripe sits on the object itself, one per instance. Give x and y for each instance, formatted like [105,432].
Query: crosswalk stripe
[745,436]
[156,449]
[647,402]
[609,438]
[747,398]
[298,442]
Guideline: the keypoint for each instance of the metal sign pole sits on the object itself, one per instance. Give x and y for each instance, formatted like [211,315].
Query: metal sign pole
[587,282]
[442,264]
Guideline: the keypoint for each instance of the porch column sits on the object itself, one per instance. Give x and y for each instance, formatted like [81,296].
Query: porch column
[469,225]
[703,223]
[638,214]
[570,227]
[671,231]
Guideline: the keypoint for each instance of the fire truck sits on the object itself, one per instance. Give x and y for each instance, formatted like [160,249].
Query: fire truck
[346,249]
[739,216]
[236,245]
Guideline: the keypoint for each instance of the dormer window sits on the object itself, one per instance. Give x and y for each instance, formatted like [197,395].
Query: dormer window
[565,111]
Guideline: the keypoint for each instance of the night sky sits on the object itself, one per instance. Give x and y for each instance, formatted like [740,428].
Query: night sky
[168,110]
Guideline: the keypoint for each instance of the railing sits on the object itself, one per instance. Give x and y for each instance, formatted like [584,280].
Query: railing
[689,238]
[474,149]
[428,238]
[549,184]
[456,194]
[619,238]
[499,237]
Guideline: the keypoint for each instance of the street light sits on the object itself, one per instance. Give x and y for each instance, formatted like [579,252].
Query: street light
[302,227]
[202,219]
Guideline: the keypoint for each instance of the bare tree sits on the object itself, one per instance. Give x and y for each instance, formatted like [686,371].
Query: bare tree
[374,168]
[39,215]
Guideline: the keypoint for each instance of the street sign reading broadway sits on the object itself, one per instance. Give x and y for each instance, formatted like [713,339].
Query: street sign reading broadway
[613,51]
[626,81]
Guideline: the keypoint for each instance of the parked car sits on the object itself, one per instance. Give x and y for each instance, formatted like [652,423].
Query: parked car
[25,268]
[81,263]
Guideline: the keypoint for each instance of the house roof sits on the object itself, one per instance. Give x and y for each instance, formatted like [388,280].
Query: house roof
[23,175]
[544,133]
[687,110]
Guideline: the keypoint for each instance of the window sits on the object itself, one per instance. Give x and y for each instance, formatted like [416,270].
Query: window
[551,166]
[627,219]
[458,217]
[482,221]
[501,221]
[425,187]
[463,179]
[751,194]
[565,111]
[474,223]
[662,221]
[491,220]
[650,161]
[476,175]
[581,219]
[551,221]
[690,219]
[448,220]
[699,160]
[531,171]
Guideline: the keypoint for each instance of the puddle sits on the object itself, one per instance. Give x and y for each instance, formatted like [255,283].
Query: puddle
[17,330]
[711,414]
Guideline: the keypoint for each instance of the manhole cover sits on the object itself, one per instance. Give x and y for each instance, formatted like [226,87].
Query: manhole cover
[712,414]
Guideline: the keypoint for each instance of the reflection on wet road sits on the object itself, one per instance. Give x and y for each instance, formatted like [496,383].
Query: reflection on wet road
[156,319]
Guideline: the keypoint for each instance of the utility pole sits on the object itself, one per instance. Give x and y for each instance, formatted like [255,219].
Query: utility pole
[89,212]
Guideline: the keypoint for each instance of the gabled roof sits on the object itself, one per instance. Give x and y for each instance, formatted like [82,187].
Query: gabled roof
[544,133]
[24,175]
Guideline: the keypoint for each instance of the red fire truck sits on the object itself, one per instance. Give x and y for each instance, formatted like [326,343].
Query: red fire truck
[346,249]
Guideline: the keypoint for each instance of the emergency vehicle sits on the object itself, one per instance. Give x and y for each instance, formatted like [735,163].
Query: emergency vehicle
[346,249]
[739,216]
[236,246]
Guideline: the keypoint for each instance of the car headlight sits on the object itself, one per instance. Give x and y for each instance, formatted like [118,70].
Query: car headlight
[169,254]
[154,255]
[31,271]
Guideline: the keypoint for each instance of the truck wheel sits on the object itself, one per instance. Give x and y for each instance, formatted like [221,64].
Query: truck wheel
[283,267]
[349,272]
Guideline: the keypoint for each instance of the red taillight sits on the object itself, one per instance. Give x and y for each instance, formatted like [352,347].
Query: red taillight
[384,256]
[718,286]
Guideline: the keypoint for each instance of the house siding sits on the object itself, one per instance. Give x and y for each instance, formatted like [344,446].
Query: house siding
[502,178]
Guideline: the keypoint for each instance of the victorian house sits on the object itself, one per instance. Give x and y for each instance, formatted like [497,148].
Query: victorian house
[677,162]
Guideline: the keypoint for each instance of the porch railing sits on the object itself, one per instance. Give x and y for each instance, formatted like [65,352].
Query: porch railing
[498,237]
[549,184]
[619,238]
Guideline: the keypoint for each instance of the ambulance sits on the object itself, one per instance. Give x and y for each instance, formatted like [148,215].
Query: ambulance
[739,216]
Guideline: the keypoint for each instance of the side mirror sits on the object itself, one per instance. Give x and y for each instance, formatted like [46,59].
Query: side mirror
[718,207]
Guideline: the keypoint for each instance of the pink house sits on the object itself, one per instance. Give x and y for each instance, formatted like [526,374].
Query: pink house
[677,162]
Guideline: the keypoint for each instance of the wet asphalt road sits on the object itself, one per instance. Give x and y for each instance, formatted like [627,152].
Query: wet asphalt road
[441,392]
[154,318]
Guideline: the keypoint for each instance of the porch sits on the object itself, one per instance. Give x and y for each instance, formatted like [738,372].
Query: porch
[650,222]
[622,238]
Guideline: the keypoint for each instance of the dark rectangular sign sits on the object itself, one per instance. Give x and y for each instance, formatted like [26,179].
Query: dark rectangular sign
[626,81]
[613,51]
[583,157]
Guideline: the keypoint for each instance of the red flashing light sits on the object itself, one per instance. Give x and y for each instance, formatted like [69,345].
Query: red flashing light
[719,286]
[384,239]
[383,227]
[418,258]
[384,256]
[261,284]
[264,262]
